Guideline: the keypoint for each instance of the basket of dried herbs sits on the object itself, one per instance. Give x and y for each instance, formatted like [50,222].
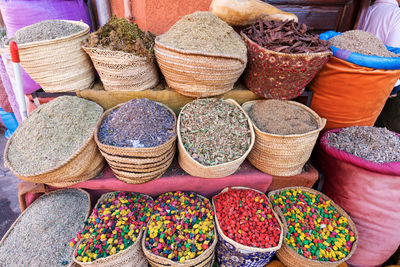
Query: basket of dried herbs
[55,144]
[138,139]
[52,55]
[201,55]
[284,57]
[214,137]
[286,132]
[123,55]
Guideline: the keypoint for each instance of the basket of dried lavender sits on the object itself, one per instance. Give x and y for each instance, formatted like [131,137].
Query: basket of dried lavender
[201,55]
[283,58]
[137,138]
[286,133]
[123,56]
[214,137]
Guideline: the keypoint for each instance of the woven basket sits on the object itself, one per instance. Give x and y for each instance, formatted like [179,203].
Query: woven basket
[28,208]
[86,163]
[206,259]
[231,253]
[283,155]
[195,74]
[279,75]
[121,71]
[131,257]
[289,257]
[137,165]
[59,65]
[194,168]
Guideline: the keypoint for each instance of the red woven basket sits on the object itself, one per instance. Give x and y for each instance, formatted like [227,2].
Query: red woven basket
[278,75]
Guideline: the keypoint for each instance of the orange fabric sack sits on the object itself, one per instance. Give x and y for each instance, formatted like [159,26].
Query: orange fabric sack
[347,94]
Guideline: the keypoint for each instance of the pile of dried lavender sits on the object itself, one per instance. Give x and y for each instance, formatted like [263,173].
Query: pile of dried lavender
[52,134]
[371,143]
[138,123]
[280,117]
[42,235]
[214,131]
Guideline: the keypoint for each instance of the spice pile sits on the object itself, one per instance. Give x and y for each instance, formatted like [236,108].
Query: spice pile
[181,227]
[214,131]
[371,143]
[120,35]
[46,30]
[40,237]
[280,117]
[137,123]
[246,217]
[316,230]
[362,42]
[204,32]
[52,134]
[285,36]
[113,226]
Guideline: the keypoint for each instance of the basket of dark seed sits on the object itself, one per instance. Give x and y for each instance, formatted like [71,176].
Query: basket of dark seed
[52,55]
[40,235]
[123,55]
[283,58]
[138,139]
[55,144]
[214,137]
[286,133]
[201,55]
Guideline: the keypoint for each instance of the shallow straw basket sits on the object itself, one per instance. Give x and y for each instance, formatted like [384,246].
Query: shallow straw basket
[86,163]
[121,71]
[137,165]
[231,253]
[279,75]
[206,259]
[283,155]
[289,257]
[32,205]
[131,257]
[59,65]
[198,74]
[194,168]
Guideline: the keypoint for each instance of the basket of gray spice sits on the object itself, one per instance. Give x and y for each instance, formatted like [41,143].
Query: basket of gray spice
[55,144]
[214,137]
[137,138]
[201,55]
[286,132]
[40,236]
[52,55]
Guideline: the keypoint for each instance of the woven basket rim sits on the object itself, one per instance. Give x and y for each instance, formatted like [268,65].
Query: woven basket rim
[238,245]
[7,163]
[321,54]
[197,53]
[132,149]
[122,252]
[321,121]
[337,207]
[84,31]
[89,49]
[218,166]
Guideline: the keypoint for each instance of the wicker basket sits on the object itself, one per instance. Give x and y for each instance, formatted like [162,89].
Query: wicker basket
[137,165]
[289,257]
[131,257]
[194,168]
[195,74]
[121,71]
[279,75]
[28,208]
[231,253]
[283,155]
[59,65]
